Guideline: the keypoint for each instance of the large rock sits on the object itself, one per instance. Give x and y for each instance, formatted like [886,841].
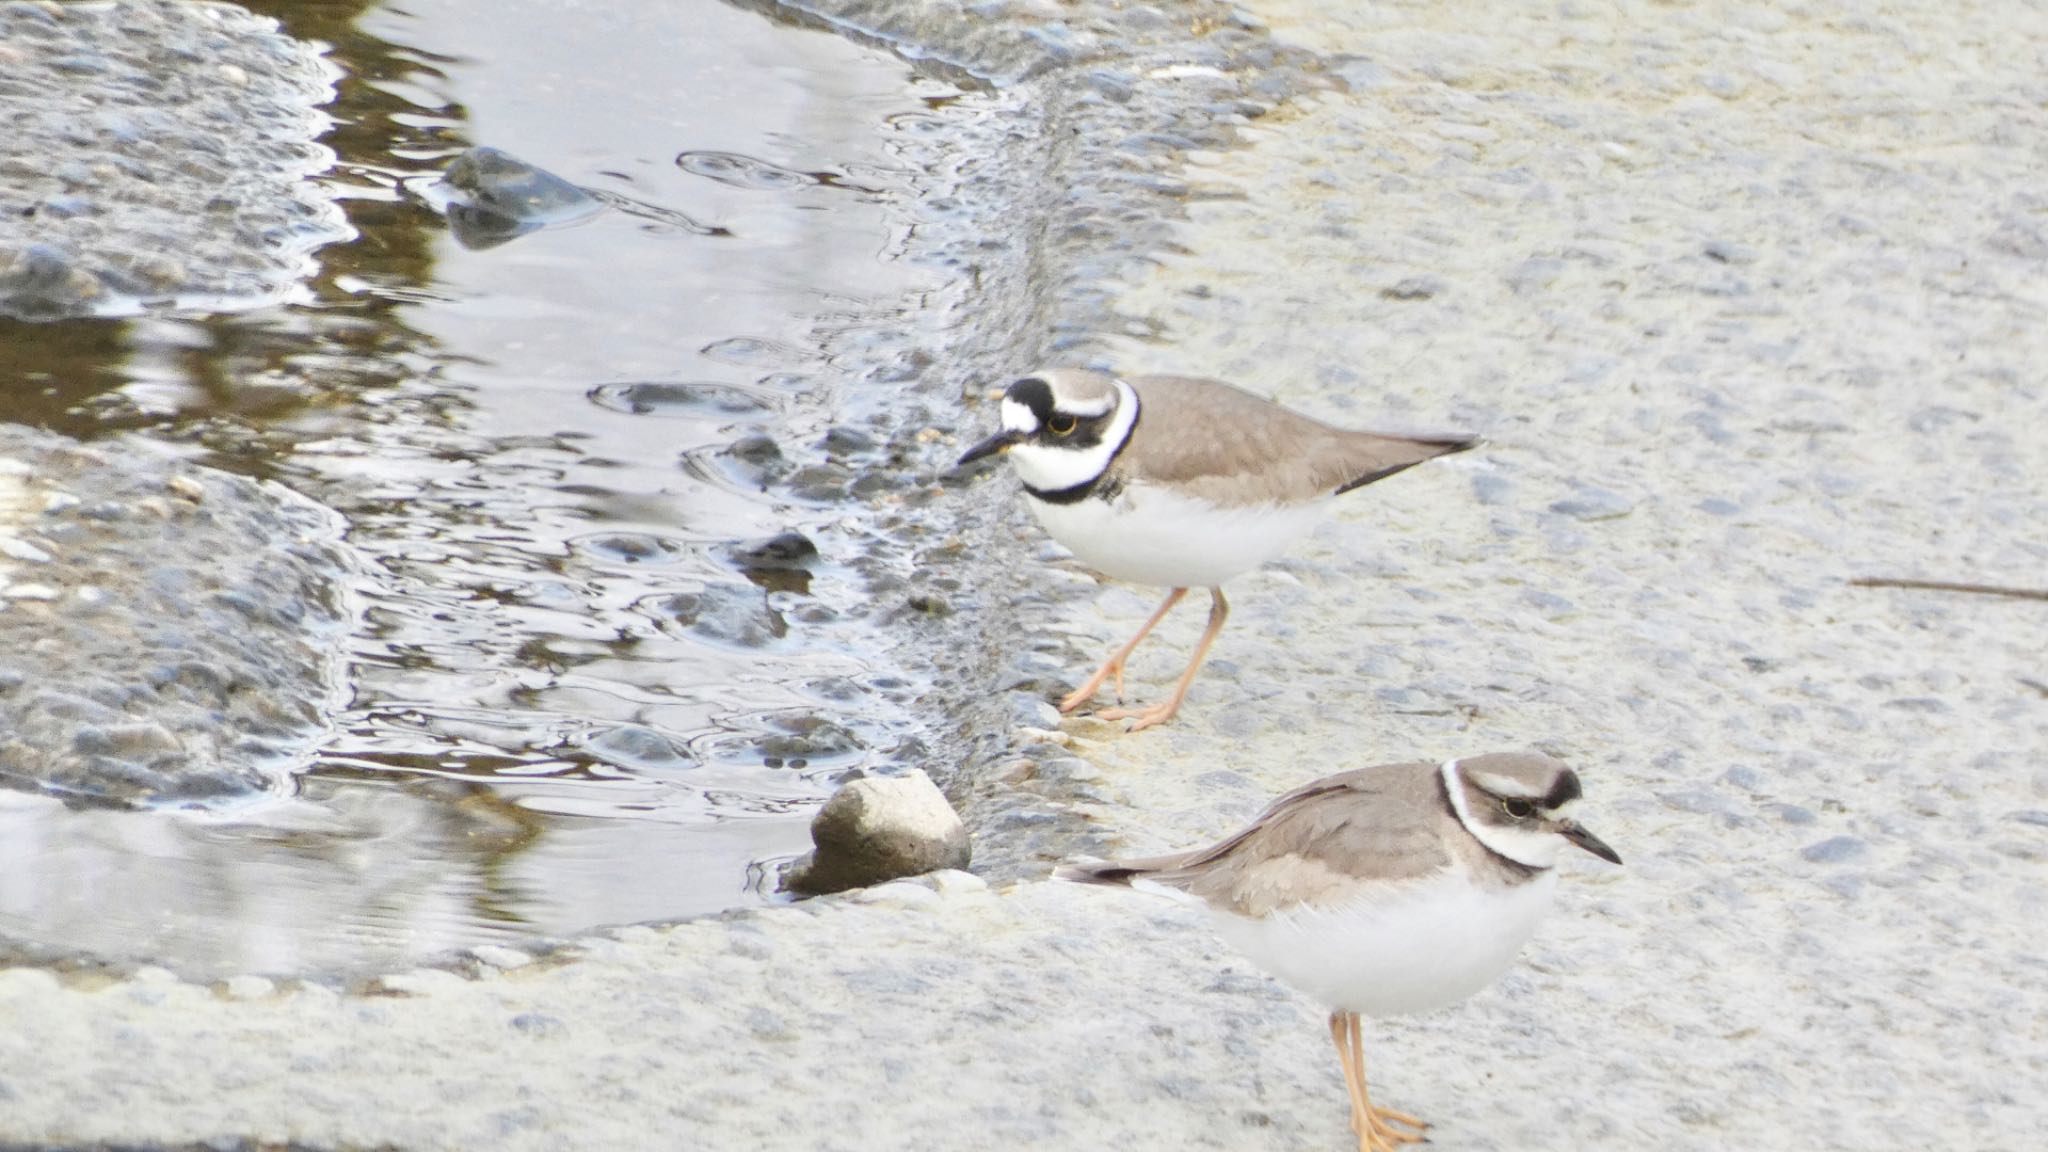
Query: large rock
[881,828]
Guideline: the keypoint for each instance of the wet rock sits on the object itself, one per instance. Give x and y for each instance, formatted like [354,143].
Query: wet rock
[731,613]
[782,550]
[759,450]
[846,441]
[877,829]
[500,197]
[780,563]
[802,737]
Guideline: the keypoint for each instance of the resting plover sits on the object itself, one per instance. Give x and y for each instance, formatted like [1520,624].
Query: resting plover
[1383,891]
[1179,482]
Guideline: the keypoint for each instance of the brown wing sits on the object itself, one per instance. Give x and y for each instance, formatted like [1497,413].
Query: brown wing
[1379,823]
[1226,445]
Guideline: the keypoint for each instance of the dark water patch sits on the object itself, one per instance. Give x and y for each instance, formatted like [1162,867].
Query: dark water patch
[631,548]
[686,399]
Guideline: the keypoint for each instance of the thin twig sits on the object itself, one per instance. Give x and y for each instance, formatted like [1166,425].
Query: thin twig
[1950,586]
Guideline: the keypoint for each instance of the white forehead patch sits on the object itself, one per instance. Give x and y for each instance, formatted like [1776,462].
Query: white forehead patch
[1085,409]
[1505,786]
[1018,418]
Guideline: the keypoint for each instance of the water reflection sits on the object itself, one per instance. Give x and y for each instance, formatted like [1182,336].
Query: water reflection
[577,701]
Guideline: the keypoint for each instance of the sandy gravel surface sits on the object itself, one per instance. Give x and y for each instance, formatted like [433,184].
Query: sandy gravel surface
[1749,304]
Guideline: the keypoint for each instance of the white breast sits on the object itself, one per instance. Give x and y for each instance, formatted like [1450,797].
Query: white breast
[1426,946]
[1149,535]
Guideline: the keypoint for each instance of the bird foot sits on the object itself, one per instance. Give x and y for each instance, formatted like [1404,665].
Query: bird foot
[1086,692]
[1079,697]
[1141,718]
[1380,1133]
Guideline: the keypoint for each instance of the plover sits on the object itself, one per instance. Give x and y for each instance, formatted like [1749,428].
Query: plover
[1179,482]
[1383,891]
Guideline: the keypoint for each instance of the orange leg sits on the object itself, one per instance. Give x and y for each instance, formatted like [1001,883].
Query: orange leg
[1340,1032]
[1374,1126]
[1219,611]
[1114,666]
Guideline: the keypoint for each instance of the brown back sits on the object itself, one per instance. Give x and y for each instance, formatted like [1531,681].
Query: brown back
[1381,823]
[1225,445]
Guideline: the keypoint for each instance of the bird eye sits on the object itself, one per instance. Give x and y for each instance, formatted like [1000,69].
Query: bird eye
[1518,809]
[1062,424]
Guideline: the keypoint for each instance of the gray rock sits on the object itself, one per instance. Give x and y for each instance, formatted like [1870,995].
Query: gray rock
[881,828]
[1588,502]
[1834,850]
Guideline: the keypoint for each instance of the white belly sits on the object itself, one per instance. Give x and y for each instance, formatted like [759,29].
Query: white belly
[1433,945]
[1150,536]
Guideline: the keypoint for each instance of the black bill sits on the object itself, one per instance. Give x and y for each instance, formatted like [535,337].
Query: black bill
[1000,442]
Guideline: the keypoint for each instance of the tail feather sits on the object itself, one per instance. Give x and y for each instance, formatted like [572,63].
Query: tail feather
[1109,874]
[1419,449]
[1118,873]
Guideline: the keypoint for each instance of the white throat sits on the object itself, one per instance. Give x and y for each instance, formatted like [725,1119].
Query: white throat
[1531,847]
[1050,467]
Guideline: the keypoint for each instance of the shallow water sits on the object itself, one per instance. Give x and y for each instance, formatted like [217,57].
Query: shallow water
[578,698]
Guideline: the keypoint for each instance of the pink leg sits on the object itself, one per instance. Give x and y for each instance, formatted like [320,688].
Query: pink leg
[1219,611]
[1114,666]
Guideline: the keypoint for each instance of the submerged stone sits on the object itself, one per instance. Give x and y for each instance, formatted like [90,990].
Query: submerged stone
[502,196]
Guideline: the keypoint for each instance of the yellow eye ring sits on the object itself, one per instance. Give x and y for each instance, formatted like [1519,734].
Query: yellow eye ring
[1061,424]
[1518,809]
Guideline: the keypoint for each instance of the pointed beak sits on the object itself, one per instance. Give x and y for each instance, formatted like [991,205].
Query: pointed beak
[1572,831]
[1000,442]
